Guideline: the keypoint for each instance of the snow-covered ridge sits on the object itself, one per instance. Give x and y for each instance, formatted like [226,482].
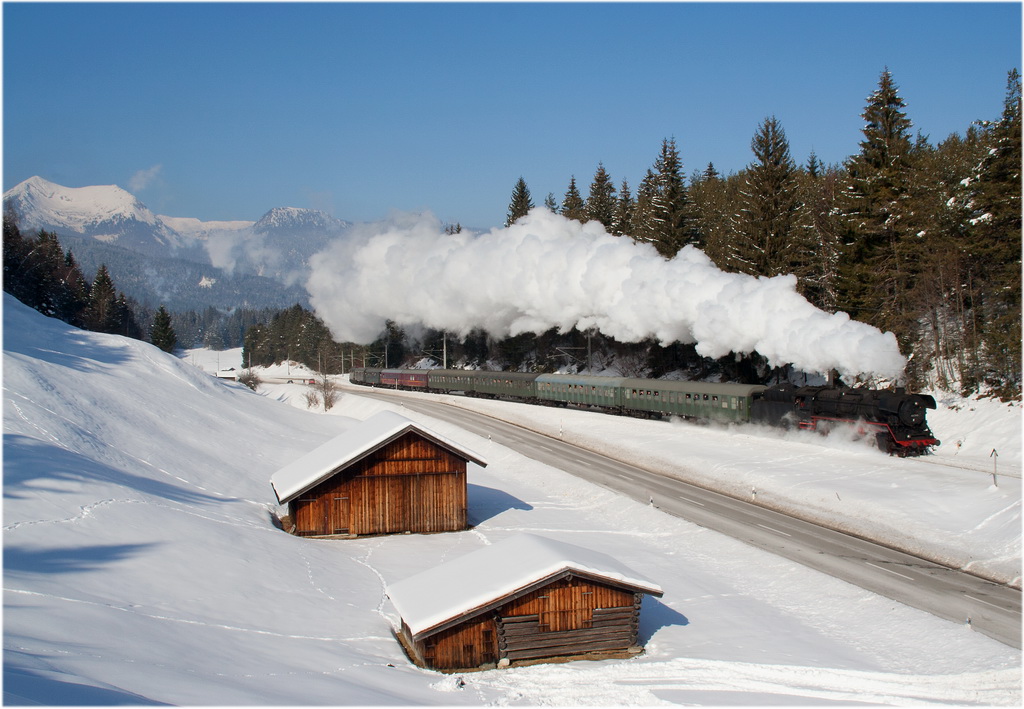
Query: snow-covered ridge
[190,226]
[298,218]
[40,201]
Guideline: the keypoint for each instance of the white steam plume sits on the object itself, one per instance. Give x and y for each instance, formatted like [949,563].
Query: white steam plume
[548,271]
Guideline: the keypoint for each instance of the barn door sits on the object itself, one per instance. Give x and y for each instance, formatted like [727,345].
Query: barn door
[310,518]
[339,521]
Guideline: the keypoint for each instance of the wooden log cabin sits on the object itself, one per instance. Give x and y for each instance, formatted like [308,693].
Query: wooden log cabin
[386,475]
[525,598]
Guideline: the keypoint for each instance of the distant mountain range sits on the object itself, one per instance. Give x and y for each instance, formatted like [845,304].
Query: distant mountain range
[179,262]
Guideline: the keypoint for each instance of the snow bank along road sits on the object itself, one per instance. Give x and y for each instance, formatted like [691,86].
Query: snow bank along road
[990,608]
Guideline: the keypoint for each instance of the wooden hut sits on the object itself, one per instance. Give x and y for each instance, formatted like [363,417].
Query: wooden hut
[386,475]
[524,598]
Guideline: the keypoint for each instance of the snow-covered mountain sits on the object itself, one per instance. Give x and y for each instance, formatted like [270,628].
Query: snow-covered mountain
[106,213]
[285,219]
[278,245]
[107,224]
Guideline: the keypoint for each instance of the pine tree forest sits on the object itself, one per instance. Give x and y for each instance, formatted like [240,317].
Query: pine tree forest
[916,238]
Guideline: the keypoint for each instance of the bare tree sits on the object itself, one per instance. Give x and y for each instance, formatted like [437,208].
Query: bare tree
[325,391]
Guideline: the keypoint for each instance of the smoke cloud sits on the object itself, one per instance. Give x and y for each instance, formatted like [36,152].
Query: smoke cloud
[548,271]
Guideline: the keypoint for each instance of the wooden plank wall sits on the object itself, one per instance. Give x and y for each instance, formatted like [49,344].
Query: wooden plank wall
[408,485]
[569,603]
[464,646]
[567,617]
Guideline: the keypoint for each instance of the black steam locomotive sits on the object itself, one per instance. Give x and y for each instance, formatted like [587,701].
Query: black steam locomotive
[896,419]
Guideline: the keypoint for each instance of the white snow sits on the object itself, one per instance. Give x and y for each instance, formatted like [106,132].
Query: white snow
[141,563]
[441,593]
[314,467]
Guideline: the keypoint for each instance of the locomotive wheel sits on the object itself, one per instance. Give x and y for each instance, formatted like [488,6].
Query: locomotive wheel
[885,443]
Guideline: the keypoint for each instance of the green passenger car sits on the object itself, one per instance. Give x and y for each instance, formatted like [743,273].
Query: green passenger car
[700,400]
[515,385]
[605,392]
[463,380]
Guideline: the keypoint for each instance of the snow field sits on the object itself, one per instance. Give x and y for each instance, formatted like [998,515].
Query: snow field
[141,565]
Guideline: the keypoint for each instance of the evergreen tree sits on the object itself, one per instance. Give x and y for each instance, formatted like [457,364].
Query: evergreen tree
[820,189]
[521,202]
[766,232]
[256,347]
[643,213]
[550,203]
[162,333]
[712,204]
[668,211]
[124,319]
[102,315]
[996,237]
[573,206]
[874,273]
[814,166]
[622,220]
[601,204]
[75,291]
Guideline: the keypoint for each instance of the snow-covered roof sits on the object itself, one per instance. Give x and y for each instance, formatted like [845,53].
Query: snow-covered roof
[349,447]
[465,586]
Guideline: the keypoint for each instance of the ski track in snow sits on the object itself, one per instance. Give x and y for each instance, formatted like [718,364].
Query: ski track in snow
[365,561]
[193,621]
[85,511]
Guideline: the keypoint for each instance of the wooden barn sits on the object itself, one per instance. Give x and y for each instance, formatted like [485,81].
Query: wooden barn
[524,598]
[386,475]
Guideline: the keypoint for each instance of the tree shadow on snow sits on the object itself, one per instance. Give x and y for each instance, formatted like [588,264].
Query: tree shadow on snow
[655,615]
[78,350]
[26,687]
[488,502]
[68,560]
[30,464]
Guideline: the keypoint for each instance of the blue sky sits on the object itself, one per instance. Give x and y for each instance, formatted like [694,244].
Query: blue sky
[223,111]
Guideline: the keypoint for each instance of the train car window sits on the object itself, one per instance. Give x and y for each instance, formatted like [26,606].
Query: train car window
[687,397]
[705,397]
[714,398]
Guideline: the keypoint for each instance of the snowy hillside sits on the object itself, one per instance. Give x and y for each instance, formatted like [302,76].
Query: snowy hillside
[141,565]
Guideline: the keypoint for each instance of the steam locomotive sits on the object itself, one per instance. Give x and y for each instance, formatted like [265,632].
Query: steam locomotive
[895,420]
